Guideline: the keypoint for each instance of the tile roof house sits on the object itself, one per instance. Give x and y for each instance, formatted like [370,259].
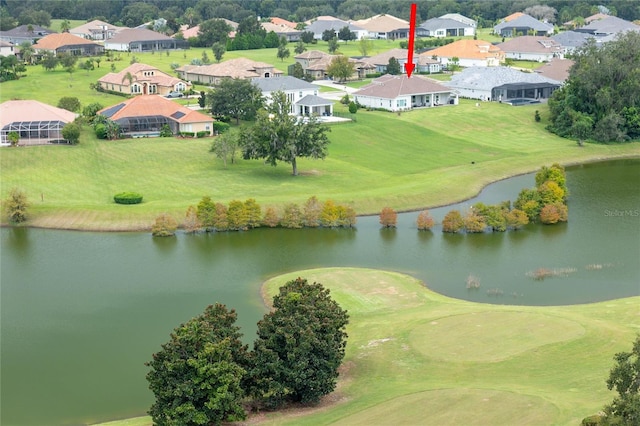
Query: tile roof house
[522,25]
[608,26]
[501,83]
[68,43]
[302,95]
[444,27]
[532,48]
[279,21]
[143,40]
[399,93]
[233,68]
[470,53]
[460,18]
[145,115]
[147,80]
[281,30]
[571,40]
[95,30]
[315,63]
[385,27]
[319,26]
[423,63]
[21,34]
[7,48]
[557,69]
[35,122]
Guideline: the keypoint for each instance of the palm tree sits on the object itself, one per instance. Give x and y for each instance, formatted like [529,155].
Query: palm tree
[130,78]
[65,25]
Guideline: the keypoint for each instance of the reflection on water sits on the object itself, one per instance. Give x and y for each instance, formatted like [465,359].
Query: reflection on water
[82,312]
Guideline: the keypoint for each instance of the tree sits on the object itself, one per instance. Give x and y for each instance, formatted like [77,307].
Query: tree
[14,138]
[298,71]
[213,31]
[27,51]
[235,97]
[388,217]
[71,133]
[312,212]
[300,48]
[353,107]
[17,206]
[452,222]
[516,219]
[225,146]
[49,61]
[220,217]
[307,37]
[70,103]
[278,136]
[292,216]
[196,376]
[91,110]
[328,34]
[300,346]
[283,50]
[191,221]
[346,34]
[218,50]
[65,25]
[424,221]
[205,211]
[393,67]
[237,216]
[553,213]
[164,226]
[340,68]
[365,46]
[253,212]
[473,222]
[271,218]
[624,378]
[333,45]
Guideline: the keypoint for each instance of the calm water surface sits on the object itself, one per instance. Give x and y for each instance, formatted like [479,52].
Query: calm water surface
[81,312]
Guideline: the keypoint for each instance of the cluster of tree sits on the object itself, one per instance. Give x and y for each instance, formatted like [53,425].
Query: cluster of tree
[599,101]
[481,217]
[238,215]
[10,68]
[174,13]
[206,375]
[547,203]
[104,127]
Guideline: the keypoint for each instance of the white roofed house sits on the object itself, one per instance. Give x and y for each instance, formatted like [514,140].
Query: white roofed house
[385,27]
[399,93]
[319,26]
[96,30]
[302,95]
[444,27]
[142,40]
[532,48]
[523,25]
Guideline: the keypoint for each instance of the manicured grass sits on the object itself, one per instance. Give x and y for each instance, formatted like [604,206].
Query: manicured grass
[417,357]
[414,160]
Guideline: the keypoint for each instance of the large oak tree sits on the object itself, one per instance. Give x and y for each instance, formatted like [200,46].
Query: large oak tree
[234,97]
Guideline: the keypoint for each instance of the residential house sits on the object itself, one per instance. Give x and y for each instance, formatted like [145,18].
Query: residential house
[573,24]
[192,32]
[501,84]
[319,26]
[469,52]
[36,123]
[303,96]
[532,48]
[385,27]
[422,63]
[30,33]
[571,40]
[68,43]
[146,115]
[557,69]
[143,40]
[233,68]
[95,30]
[460,18]
[444,27]
[523,25]
[315,63]
[609,26]
[279,21]
[145,80]
[399,93]
[7,48]
[281,30]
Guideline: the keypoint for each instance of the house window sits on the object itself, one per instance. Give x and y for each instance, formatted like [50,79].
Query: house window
[402,103]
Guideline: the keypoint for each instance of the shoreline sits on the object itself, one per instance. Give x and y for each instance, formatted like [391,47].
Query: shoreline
[132,227]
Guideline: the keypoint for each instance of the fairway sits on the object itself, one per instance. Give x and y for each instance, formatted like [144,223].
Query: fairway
[417,357]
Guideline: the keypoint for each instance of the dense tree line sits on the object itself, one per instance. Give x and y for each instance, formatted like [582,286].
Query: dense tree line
[192,12]
[600,99]
[206,375]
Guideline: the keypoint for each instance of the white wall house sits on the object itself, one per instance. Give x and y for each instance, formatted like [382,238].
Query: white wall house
[303,96]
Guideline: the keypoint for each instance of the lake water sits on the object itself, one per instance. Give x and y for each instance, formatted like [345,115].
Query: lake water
[82,312]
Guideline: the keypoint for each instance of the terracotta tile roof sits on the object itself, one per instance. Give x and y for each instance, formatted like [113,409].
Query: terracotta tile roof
[513,16]
[29,110]
[556,69]
[392,86]
[383,58]
[137,70]
[56,41]
[467,49]
[150,105]
[382,23]
[234,68]
[278,28]
[311,54]
[280,21]
[531,44]
[191,32]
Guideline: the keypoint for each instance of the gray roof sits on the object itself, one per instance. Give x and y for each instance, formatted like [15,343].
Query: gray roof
[23,31]
[137,34]
[273,84]
[610,25]
[320,26]
[313,100]
[486,78]
[439,23]
[524,21]
[571,38]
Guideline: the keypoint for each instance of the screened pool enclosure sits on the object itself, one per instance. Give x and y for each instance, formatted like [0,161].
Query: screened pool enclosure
[34,132]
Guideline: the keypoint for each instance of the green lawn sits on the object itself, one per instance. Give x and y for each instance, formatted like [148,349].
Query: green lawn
[417,357]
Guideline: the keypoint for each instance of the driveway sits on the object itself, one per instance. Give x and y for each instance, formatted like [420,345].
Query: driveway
[334,96]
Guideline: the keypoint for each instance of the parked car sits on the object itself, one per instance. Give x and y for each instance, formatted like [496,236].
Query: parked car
[174,95]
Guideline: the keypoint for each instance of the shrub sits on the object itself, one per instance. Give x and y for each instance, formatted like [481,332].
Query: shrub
[101,131]
[71,133]
[165,131]
[537,116]
[165,226]
[69,103]
[127,198]
[220,127]
[17,205]
[594,420]
[202,134]
[187,134]
[353,107]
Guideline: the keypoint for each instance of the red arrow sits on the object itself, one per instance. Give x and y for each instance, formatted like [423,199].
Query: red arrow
[409,66]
